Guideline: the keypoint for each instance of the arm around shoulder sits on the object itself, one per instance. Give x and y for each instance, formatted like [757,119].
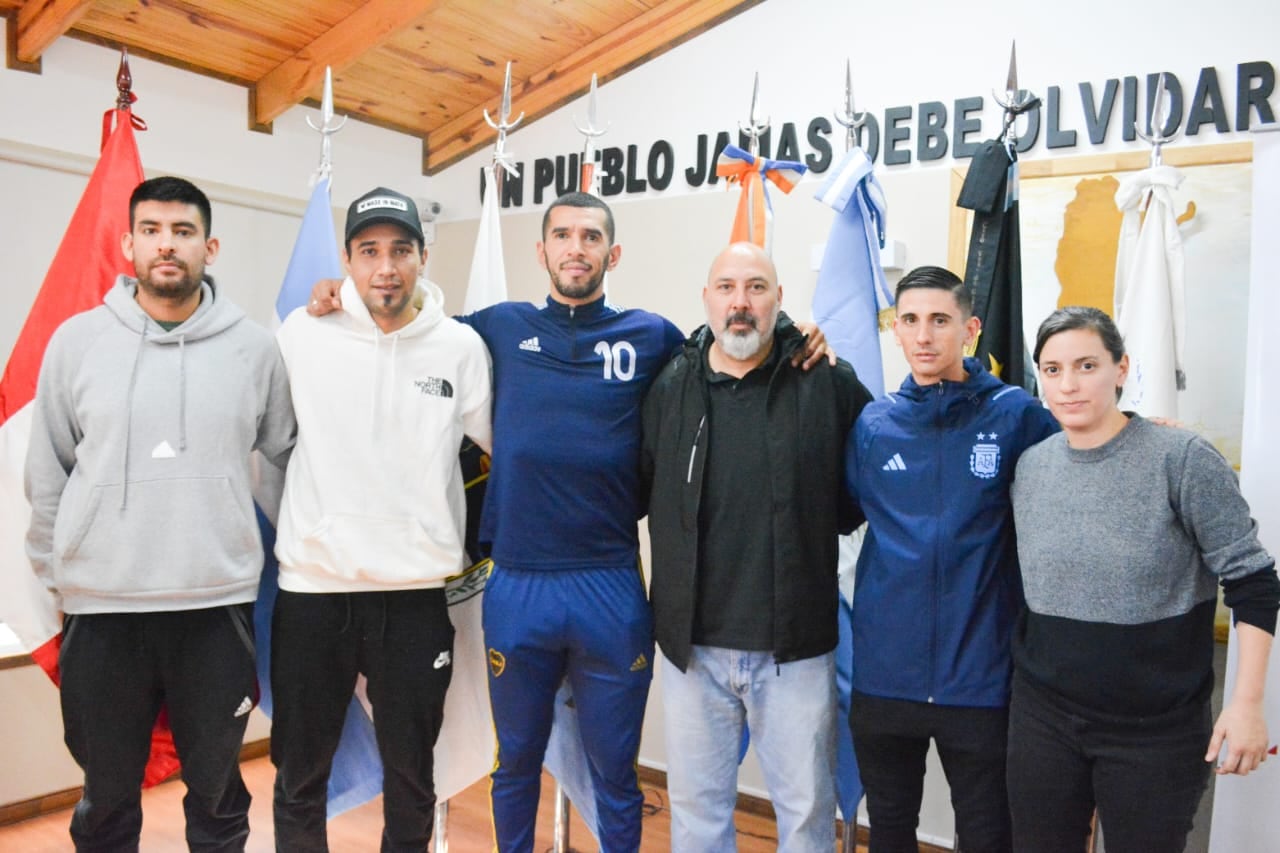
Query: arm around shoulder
[477,373]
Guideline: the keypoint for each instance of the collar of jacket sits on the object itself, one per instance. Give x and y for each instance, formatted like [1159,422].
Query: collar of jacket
[587,311]
[979,381]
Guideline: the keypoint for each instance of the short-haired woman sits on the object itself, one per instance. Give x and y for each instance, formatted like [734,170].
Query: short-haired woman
[1125,529]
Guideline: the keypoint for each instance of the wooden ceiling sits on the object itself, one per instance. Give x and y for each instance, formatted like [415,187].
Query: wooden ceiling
[427,68]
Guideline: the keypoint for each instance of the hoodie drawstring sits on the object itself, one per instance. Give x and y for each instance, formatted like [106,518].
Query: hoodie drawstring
[182,393]
[395,346]
[375,398]
[373,385]
[128,415]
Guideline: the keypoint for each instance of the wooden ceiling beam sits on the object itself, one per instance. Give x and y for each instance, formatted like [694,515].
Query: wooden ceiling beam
[298,76]
[646,36]
[42,22]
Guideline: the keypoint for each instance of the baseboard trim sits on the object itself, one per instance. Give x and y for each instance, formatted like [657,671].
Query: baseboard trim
[761,807]
[59,800]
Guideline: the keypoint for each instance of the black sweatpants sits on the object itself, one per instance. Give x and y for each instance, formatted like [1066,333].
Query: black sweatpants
[117,671]
[1145,775]
[403,644]
[891,740]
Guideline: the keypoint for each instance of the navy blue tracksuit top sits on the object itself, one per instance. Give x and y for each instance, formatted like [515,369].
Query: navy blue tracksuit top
[564,490]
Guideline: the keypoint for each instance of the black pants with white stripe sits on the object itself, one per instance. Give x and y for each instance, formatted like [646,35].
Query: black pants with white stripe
[118,670]
[402,642]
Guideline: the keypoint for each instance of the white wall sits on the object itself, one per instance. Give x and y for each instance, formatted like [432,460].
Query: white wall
[902,53]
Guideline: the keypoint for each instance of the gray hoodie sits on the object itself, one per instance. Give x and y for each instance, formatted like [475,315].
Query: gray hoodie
[138,470]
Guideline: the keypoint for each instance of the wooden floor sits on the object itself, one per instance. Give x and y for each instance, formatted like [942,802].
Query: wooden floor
[357,831]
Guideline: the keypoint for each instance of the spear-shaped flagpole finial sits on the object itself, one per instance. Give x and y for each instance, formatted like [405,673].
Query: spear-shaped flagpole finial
[1016,101]
[755,128]
[592,129]
[124,82]
[850,119]
[326,128]
[1157,119]
[1011,83]
[501,157]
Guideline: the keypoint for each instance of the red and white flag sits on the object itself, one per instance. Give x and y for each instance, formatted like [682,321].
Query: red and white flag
[83,270]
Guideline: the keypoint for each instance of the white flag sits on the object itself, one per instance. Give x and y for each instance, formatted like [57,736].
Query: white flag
[1245,816]
[1150,307]
[488,283]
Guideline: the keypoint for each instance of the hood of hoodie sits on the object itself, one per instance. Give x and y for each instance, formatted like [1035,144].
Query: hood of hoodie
[358,318]
[978,382]
[212,315]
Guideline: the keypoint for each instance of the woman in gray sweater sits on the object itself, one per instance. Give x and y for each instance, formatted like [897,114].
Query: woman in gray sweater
[1125,530]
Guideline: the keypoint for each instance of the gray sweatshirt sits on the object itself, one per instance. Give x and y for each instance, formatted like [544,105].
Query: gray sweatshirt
[138,469]
[1122,548]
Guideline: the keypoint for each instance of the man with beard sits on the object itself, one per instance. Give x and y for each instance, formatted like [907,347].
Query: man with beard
[742,456]
[142,522]
[566,597]
[937,589]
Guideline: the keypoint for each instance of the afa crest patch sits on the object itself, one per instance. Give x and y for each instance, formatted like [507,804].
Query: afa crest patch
[984,459]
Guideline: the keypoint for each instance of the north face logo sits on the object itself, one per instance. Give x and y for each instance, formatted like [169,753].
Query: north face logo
[434,386]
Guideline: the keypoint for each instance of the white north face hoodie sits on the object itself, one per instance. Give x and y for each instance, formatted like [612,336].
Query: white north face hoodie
[373,496]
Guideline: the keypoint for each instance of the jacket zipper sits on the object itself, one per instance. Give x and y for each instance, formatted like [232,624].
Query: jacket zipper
[693,451]
[937,575]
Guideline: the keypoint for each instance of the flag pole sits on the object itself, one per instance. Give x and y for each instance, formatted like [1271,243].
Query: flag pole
[501,156]
[755,128]
[124,83]
[561,828]
[587,165]
[852,121]
[1015,101]
[1157,119]
[326,128]
[849,118]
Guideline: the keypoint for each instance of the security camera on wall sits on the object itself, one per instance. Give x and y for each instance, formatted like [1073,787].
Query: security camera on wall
[428,210]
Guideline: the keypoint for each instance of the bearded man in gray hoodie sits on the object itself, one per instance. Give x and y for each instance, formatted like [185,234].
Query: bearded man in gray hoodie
[142,523]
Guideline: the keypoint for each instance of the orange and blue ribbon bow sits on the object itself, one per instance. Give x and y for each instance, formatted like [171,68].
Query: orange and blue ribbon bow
[752,223]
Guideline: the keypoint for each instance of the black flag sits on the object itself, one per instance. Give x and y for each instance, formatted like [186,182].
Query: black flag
[993,272]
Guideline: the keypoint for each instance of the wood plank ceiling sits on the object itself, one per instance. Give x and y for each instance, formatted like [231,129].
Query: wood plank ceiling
[427,68]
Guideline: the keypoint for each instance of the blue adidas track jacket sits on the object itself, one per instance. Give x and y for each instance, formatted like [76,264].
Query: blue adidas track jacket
[938,588]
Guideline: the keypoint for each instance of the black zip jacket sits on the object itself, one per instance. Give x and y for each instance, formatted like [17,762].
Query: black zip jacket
[809,416]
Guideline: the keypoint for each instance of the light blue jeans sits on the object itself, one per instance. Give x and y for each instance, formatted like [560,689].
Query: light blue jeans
[791,712]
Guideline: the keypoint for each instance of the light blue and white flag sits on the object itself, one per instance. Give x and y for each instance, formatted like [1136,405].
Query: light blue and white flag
[847,301]
[356,777]
[851,289]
